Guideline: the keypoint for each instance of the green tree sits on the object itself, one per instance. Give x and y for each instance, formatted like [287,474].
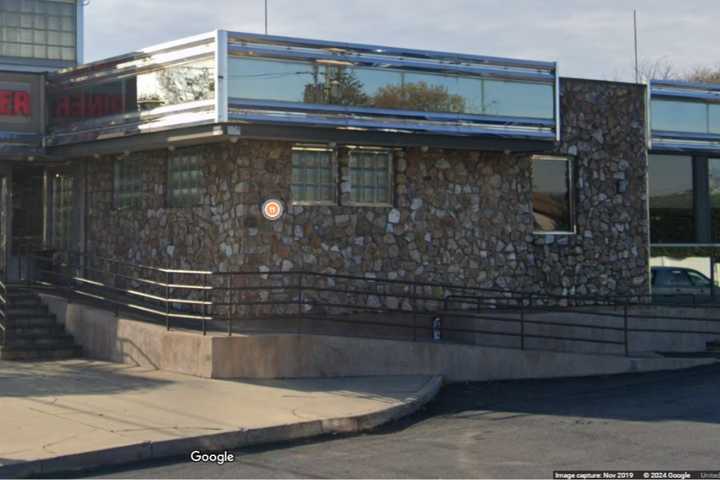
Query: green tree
[418,96]
[340,87]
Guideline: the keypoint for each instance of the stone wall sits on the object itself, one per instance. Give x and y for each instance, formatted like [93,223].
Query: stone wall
[458,216]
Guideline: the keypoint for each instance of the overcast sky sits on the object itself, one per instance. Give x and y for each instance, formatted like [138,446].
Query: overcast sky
[589,38]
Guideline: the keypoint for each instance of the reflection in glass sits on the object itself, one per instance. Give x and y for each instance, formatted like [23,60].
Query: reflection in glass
[551,195]
[515,99]
[175,85]
[714,190]
[671,199]
[714,118]
[172,85]
[346,85]
[679,116]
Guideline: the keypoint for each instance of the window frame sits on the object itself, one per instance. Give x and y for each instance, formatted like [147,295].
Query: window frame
[333,174]
[174,155]
[63,188]
[390,175]
[116,193]
[34,32]
[571,194]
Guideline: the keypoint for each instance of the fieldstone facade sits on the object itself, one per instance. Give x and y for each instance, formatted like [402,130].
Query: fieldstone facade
[457,216]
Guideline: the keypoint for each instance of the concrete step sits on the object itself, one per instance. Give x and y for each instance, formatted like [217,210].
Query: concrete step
[32,333]
[59,340]
[39,353]
[25,310]
[23,299]
[46,330]
[30,321]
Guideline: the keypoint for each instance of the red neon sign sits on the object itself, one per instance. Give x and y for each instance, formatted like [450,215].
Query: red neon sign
[88,106]
[15,103]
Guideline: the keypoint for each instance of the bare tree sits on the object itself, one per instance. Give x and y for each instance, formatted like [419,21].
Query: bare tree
[704,74]
[658,69]
[662,69]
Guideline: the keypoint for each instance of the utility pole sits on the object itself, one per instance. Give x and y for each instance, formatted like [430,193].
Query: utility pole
[637,72]
[266,17]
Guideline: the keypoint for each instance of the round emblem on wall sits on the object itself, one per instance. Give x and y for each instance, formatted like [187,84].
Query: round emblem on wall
[273,209]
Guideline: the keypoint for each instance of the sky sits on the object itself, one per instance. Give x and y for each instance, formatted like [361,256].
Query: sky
[589,38]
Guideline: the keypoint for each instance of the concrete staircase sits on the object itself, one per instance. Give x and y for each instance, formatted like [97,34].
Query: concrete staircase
[32,332]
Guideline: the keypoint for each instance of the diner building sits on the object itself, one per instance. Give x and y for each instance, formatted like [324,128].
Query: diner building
[388,162]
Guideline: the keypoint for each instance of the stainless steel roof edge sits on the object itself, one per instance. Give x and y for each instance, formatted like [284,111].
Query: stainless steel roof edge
[408,127]
[123,131]
[125,118]
[360,47]
[350,110]
[102,76]
[395,62]
[184,43]
[675,135]
[685,85]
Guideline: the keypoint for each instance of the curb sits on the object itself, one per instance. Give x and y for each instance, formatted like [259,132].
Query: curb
[117,456]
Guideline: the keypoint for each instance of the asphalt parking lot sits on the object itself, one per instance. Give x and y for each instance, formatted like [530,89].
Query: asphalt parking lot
[664,420]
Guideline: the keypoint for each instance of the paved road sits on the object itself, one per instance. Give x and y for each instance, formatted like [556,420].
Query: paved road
[508,429]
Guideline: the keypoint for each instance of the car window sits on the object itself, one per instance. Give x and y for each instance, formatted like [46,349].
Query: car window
[673,278]
[698,279]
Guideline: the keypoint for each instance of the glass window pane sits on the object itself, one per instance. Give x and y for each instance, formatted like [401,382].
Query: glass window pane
[714,189]
[312,176]
[370,176]
[519,99]
[27,36]
[714,120]
[272,80]
[551,193]
[679,116]
[671,199]
[184,179]
[292,81]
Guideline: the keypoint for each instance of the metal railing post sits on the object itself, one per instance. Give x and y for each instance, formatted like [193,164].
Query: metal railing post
[204,306]
[228,307]
[625,328]
[300,302]
[522,324]
[167,300]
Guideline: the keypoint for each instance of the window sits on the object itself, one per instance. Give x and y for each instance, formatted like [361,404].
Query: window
[672,219]
[313,176]
[41,29]
[698,279]
[552,195]
[370,176]
[127,183]
[714,192]
[309,82]
[185,178]
[62,189]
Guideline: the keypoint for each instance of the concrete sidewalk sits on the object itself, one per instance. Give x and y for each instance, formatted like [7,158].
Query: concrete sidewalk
[61,416]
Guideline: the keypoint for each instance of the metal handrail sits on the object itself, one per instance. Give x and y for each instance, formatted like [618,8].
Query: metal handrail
[217,298]
[3,308]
